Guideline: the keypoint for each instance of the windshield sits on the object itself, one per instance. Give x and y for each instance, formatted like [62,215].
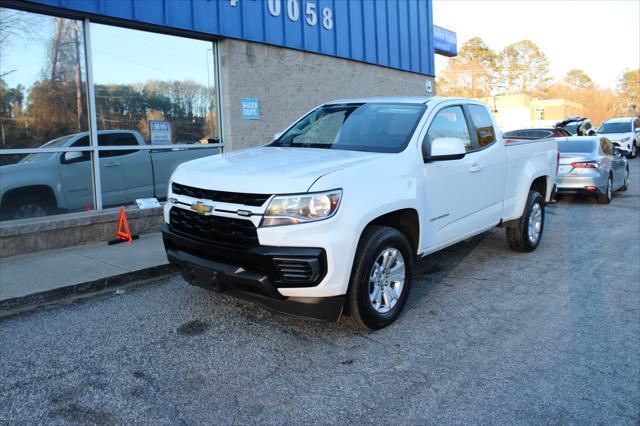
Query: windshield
[571,128]
[577,146]
[370,127]
[40,156]
[620,127]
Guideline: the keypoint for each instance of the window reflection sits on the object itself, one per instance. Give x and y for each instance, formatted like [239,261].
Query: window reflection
[142,77]
[150,89]
[42,79]
[42,184]
[42,104]
[450,123]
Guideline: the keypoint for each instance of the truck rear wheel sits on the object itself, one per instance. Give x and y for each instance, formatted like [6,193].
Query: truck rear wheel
[526,233]
[381,278]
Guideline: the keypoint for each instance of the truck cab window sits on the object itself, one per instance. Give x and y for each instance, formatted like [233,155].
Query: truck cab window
[484,126]
[450,123]
[116,139]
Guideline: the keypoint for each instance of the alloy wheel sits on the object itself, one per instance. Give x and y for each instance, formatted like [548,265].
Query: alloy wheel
[30,210]
[535,223]
[386,280]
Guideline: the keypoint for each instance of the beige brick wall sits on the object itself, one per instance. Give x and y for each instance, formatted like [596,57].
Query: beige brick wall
[288,83]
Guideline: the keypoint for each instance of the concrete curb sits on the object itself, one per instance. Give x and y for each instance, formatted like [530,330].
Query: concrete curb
[11,307]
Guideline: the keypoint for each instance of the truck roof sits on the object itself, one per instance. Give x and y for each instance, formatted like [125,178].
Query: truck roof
[396,99]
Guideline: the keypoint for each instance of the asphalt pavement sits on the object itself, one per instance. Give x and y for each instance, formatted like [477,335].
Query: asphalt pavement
[488,336]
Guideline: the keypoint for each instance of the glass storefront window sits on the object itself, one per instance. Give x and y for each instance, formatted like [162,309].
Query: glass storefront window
[141,77]
[149,90]
[43,90]
[43,104]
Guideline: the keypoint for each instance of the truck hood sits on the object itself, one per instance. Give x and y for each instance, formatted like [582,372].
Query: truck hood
[267,170]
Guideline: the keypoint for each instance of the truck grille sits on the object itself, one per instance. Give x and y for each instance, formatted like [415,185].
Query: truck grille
[222,196]
[216,229]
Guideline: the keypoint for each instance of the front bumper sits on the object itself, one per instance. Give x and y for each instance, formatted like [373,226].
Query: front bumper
[254,273]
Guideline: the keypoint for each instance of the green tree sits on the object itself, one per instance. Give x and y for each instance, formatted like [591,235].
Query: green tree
[629,90]
[578,80]
[472,73]
[524,69]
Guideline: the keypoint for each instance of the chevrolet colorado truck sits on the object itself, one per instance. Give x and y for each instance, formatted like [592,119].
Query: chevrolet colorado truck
[46,183]
[329,218]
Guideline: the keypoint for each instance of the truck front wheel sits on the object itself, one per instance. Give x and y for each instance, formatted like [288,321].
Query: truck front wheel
[24,207]
[381,278]
[524,235]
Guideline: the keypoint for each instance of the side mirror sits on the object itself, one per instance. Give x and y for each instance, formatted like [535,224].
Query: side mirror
[72,157]
[443,149]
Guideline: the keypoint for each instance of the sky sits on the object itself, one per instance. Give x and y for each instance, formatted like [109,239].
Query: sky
[601,37]
[120,55]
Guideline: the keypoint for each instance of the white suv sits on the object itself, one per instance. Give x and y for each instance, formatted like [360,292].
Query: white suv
[625,132]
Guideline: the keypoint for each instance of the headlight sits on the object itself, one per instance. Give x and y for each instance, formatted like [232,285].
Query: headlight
[301,208]
[625,139]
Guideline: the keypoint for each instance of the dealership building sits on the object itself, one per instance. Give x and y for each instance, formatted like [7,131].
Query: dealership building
[83,80]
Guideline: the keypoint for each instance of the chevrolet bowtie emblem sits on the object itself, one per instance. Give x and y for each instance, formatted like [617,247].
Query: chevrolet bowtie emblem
[201,207]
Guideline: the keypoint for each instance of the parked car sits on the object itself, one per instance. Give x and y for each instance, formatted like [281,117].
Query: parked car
[577,126]
[329,217]
[540,133]
[592,165]
[46,183]
[625,131]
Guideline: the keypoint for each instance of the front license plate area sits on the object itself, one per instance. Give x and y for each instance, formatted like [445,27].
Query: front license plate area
[204,278]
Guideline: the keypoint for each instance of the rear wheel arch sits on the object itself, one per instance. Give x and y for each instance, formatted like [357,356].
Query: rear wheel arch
[540,185]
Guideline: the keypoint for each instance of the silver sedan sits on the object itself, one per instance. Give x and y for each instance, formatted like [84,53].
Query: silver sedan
[592,165]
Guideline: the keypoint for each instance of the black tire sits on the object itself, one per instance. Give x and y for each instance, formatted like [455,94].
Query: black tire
[518,232]
[360,309]
[625,184]
[25,207]
[606,197]
[634,151]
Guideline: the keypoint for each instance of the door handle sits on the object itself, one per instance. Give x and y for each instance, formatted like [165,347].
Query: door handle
[112,164]
[475,168]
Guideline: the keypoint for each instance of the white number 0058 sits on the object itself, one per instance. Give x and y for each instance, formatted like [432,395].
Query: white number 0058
[310,10]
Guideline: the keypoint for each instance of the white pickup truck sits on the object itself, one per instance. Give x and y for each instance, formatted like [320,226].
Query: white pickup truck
[328,219]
